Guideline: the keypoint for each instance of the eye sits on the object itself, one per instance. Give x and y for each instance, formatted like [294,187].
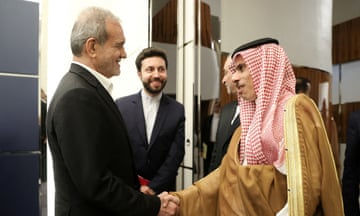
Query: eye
[240,67]
[149,69]
[119,46]
[161,69]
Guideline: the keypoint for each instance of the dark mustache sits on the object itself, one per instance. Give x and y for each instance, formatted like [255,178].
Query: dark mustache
[156,79]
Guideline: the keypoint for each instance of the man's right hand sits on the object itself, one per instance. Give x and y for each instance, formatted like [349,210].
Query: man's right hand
[169,205]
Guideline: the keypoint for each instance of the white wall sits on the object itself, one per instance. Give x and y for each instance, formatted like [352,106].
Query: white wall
[302,27]
[349,87]
[345,10]
[57,20]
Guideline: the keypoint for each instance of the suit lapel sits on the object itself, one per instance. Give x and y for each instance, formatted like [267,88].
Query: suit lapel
[139,117]
[236,122]
[86,75]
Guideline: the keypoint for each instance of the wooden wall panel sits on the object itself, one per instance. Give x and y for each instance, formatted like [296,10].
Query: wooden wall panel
[206,34]
[164,24]
[316,77]
[346,41]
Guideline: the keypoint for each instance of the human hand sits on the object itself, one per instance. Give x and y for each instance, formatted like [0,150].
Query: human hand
[146,190]
[169,204]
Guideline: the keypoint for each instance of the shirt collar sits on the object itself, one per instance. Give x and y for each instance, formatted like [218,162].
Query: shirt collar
[149,99]
[105,82]
[237,112]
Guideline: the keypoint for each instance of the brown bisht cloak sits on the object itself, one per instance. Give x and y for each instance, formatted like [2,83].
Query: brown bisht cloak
[311,186]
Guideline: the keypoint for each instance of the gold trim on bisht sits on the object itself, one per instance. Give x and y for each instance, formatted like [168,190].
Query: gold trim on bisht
[312,180]
[293,160]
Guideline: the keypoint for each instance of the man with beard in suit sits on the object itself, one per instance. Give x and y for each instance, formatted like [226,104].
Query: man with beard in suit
[155,122]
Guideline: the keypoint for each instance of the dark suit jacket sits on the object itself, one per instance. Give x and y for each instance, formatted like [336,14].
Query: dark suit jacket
[92,159]
[351,174]
[205,138]
[159,160]
[224,133]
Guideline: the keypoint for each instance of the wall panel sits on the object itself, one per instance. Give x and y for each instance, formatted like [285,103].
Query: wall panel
[19,37]
[19,122]
[19,109]
[19,188]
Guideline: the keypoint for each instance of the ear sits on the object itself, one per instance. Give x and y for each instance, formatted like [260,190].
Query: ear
[90,46]
[139,74]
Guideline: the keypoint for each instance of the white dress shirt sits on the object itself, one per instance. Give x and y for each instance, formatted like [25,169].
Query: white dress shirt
[105,82]
[150,107]
[237,112]
[214,126]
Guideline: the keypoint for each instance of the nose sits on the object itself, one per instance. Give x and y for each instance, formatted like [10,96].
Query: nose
[234,78]
[223,81]
[156,73]
[123,53]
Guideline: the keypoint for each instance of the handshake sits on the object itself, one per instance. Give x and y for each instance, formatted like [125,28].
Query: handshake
[169,205]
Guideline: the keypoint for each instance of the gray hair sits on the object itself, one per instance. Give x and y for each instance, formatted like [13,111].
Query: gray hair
[90,23]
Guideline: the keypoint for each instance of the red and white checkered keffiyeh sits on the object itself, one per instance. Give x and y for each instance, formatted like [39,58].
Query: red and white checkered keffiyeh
[262,137]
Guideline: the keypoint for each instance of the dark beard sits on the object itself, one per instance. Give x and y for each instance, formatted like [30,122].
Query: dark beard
[154,91]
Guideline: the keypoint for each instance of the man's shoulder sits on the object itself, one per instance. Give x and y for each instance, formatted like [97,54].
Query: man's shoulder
[229,107]
[126,99]
[172,107]
[173,101]
[231,104]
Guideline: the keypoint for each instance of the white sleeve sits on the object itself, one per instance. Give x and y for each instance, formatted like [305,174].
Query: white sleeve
[284,211]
